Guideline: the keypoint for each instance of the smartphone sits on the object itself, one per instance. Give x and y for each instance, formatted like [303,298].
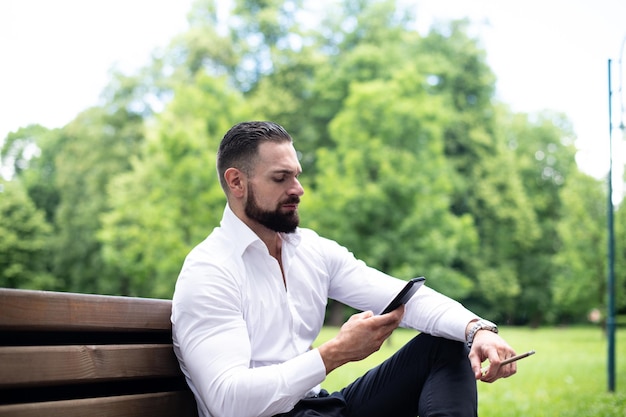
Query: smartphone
[405,294]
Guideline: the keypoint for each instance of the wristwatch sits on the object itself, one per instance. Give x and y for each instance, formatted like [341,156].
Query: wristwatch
[480,325]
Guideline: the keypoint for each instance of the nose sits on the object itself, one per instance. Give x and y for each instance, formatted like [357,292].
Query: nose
[297,188]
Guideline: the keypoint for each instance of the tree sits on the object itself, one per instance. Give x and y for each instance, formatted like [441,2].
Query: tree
[620,257]
[171,198]
[32,151]
[383,192]
[24,241]
[65,172]
[579,281]
[96,146]
[543,145]
[19,147]
[311,79]
[487,185]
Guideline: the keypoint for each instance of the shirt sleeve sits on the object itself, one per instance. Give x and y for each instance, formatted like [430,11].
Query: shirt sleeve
[213,348]
[434,313]
[365,288]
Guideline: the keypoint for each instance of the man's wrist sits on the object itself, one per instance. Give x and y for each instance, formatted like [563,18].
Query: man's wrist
[329,355]
[475,327]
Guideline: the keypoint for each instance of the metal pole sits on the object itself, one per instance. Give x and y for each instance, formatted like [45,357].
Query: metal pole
[610,323]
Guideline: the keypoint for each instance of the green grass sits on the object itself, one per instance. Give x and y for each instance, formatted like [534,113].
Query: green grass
[566,377]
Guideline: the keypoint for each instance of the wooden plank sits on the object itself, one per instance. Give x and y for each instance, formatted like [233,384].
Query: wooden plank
[167,404]
[44,310]
[53,365]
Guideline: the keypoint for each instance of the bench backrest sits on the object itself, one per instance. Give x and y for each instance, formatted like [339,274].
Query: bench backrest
[64,354]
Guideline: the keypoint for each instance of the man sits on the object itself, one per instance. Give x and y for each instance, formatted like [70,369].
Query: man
[250,300]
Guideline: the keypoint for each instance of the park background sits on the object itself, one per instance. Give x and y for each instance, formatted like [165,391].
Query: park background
[410,159]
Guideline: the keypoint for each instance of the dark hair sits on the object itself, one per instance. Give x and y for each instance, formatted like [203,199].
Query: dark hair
[240,145]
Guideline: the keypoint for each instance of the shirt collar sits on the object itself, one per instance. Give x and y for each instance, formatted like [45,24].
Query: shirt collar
[244,236]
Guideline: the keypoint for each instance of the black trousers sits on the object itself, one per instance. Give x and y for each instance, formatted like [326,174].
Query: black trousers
[427,377]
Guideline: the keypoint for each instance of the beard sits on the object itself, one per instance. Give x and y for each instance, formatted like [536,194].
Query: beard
[273,219]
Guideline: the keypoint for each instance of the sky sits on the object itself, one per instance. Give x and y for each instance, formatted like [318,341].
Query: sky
[55,58]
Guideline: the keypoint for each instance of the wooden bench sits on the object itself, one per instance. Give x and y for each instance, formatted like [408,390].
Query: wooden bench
[64,354]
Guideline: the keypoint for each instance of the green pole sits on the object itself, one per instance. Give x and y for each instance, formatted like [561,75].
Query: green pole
[610,323]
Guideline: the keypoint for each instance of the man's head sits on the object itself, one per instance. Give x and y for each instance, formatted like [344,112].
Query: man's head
[258,170]
[240,146]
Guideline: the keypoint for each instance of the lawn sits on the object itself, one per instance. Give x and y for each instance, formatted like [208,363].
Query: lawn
[566,377]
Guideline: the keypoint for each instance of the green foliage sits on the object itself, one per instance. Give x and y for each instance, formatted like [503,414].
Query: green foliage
[19,147]
[171,198]
[620,258]
[96,146]
[32,152]
[580,264]
[544,152]
[24,243]
[386,175]
[487,186]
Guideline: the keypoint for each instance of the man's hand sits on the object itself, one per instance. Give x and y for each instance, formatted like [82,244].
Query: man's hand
[363,334]
[488,345]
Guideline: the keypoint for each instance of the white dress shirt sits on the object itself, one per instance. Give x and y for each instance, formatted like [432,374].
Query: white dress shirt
[243,337]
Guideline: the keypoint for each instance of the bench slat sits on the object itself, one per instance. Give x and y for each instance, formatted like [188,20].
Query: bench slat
[34,310]
[169,404]
[50,365]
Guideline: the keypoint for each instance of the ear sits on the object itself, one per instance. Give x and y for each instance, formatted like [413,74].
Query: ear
[235,180]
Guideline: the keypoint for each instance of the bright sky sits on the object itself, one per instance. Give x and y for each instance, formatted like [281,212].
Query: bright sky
[546,54]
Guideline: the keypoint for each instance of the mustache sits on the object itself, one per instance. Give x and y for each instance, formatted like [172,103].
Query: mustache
[292,200]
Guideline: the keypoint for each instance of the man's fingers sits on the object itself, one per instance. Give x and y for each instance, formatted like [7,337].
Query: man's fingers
[392,317]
